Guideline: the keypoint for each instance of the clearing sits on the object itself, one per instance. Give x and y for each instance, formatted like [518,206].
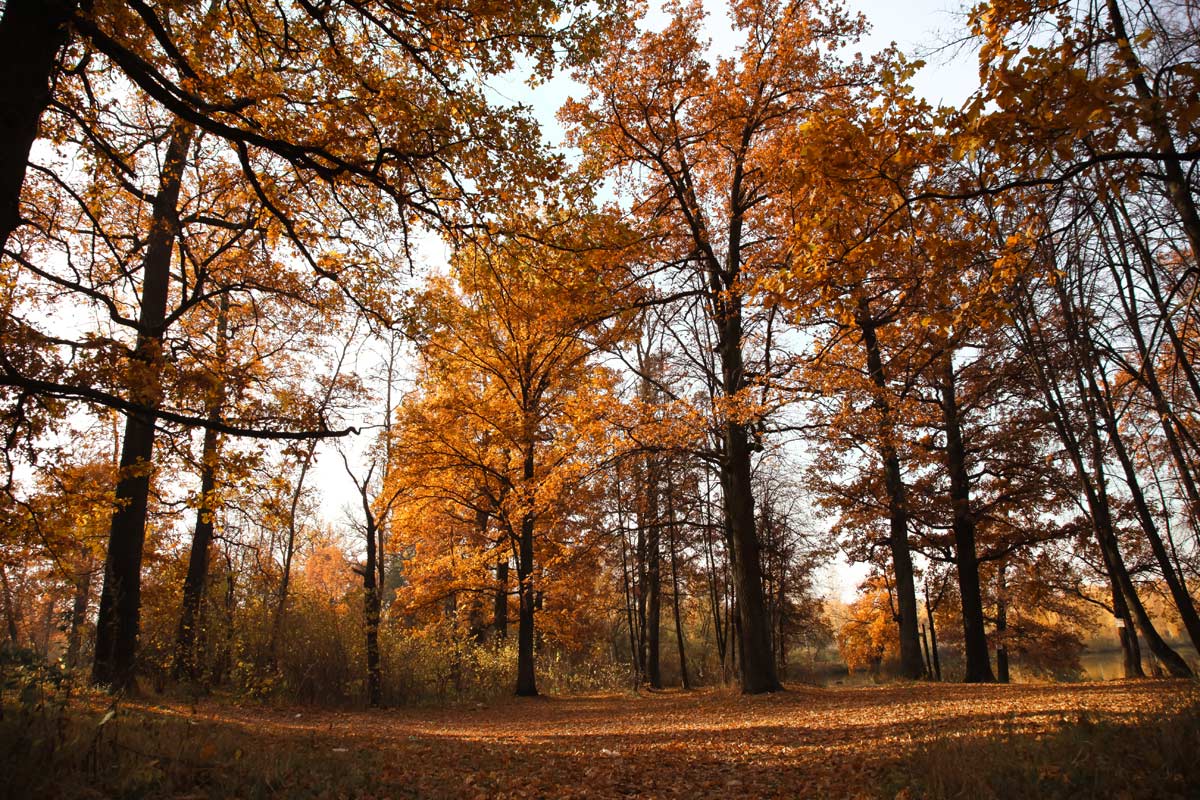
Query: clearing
[1118,739]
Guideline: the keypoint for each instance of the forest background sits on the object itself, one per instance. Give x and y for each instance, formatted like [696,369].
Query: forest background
[606,413]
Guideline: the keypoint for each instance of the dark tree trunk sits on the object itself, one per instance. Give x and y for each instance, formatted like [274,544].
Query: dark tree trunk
[653,578]
[928,659]
[673,544]
[1106,537]
[754,629]
[937,661]
[186,660]
[1131,656]
[224,657]
[756,661]
[526,678]
[1094,485]
[639,580]
[906,592]
[1116,567]
[371,613]
[715,593]
[1179,592]
[31,34]
[627,582]
[372,606]
[979,668]
[1001,624]
[79,607]
[10,611]
[500,601]
[119,617]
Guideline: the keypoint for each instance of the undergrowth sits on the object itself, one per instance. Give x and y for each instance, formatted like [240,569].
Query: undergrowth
[1144,757]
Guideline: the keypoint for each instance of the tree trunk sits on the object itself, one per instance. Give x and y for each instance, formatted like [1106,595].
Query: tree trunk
[1179,592]
[928,659]
[120,600]
[1096,493]
[224,657]
[653,577]
[79,607]
[673,544]
[10,611]
[186,661]
[31,34]
[937,661]
[639,579]
[715,594]
[1001,624]
[526,679]
[979,668]
[1147,376]
[1115,564]
[371,614]
[500,601]
[1092,482]
[757,664]
[906,592]
[1131,657]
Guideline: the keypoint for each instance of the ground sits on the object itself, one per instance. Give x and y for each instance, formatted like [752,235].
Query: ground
[1117,739]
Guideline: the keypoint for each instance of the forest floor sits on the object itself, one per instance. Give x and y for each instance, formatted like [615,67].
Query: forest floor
[1115,739]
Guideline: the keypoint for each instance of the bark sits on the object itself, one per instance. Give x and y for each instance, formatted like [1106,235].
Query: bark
[979,668]
[119,618]
[371,614]
[10,611]
[371,588]
[31,34]
[526,678]
[186,661]
[224,658]
[906,592]
[653,578]
[672,528]
[639,581]
[1131,656]
[757,664]
[627,582]
[928,658]
[1001,624]
[715,594]
[500,600]
[937,661]
[79,607]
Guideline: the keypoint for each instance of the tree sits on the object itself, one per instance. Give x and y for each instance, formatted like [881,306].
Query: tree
[689,138]
[512,395]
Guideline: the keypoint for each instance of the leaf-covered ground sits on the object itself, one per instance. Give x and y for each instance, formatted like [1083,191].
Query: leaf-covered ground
[1108,739]
[1121,739]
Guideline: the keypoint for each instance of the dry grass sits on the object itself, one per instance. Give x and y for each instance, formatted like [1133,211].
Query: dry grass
[1119,739]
